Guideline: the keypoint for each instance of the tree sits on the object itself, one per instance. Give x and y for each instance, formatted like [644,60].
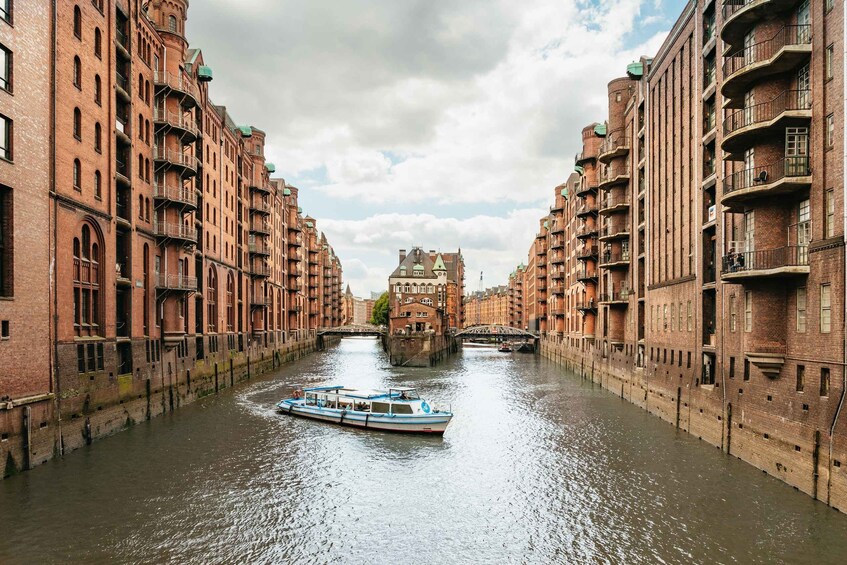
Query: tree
[379,316]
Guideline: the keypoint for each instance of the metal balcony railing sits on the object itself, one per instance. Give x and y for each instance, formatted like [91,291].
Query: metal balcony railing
[175,157]
[178,231]
[178,82]
[785,101]
[767,174]
[612,200]
[176,282]
[175,119]
[582,274]
[260,270]
[765,259]
[614,142]
[180,194]
[587,251]
[610,257]
[614,228]
[792,35]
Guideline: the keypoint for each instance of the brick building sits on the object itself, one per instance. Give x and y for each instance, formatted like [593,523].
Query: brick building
[705,216]
[136,260]
[489,307]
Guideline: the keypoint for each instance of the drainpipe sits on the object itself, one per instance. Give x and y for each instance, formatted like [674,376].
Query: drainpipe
[843,317]
[54,358]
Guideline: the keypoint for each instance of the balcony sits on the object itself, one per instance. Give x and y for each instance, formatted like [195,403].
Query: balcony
[587,209]
[789,261]
[743,127]
[260,302]
[583,157]
[260,207]
[587,252]
[617,298]
[787,175]
[586,305]
[260,188]
[557,274]
[557,258]
[259,248]
[122,130]
[166,230]
[558,227]
[585,274]
[615,145]
[788,47]
[614,203]
[183,196]
[586,231]
[557,310]
[260,271]
[585,188]
[178,159]
[176,283]
[613,174]
[614,230]
[612,260]
[178,84]
[263,228]
[122,84]
[739,16]
[163,117]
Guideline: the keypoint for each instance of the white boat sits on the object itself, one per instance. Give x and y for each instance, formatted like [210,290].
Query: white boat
[397,409]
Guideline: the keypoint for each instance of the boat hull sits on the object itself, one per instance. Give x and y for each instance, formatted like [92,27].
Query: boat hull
[434,424]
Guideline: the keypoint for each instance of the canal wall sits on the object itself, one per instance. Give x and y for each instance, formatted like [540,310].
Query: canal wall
[88,408]
[810,458]
[419,350]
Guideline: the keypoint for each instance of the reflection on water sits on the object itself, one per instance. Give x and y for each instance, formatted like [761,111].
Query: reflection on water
[536,467]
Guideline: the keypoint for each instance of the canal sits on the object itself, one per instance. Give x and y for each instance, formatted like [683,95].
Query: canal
[538,466]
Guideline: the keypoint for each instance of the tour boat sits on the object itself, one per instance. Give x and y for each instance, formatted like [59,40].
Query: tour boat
[398,409]
[505,347]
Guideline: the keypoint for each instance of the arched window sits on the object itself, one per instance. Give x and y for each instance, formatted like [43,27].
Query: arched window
[98,43]
[98,90]
[77,73]
[147,208]
[141,86]
[279,309]
[98,141]
[430,289]
[172,24]
[98,194]
[212,300]
[147,169]
[86,283]
[140,126]
[141,166]
[77,175]
[77,22]
[230,302]
[147,131]
[147,91]
[146,278]
[77,124]
[140,206]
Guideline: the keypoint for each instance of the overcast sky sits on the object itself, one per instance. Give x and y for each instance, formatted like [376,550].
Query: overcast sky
[443,124]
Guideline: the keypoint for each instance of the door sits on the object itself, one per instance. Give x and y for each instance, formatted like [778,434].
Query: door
[796,152]
[804,19]
[804,98]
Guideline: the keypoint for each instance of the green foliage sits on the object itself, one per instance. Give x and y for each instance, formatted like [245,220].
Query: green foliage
[379,316]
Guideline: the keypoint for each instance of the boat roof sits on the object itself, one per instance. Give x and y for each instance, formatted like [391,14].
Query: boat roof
[361,393]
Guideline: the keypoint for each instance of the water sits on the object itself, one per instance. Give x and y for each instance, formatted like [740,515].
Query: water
[536,467]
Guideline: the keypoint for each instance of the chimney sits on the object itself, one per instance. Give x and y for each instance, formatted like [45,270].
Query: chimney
[402,255]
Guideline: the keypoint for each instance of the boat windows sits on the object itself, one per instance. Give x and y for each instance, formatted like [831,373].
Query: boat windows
[363,407]
[380,407]
[401,408]
[311,399]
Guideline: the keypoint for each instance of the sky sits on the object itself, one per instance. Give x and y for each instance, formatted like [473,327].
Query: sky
[436,123]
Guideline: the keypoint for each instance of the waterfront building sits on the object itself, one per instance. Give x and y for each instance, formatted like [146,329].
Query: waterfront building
[703,216]
[147,249]
[488,307]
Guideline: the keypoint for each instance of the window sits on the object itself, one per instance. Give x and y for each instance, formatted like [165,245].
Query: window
[673,311]
[830,131]
[5,69]
[98,90]
[77,124]
[830,53]
[6,129]
[172,24]
[801,378]
[98,190]
[801,309]
[829,213]
[98,141]
[826,309]
[77,73]
[748,311]
[6,242]
[77,175]
[6,10]
[732,315]
[211,300]
[77,22]
[825,381]
[680,316]
[230,303]
[732,367]
[86,283]
[665,317]
[98,43]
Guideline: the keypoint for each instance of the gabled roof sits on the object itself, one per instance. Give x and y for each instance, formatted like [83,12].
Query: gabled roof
[416,258]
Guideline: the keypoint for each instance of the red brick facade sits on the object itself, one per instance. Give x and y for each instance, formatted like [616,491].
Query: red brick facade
[154,259]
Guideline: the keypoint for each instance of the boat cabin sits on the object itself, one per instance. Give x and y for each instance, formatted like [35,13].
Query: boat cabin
[401,400]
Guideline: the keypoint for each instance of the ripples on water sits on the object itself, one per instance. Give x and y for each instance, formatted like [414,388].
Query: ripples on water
[538,466]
